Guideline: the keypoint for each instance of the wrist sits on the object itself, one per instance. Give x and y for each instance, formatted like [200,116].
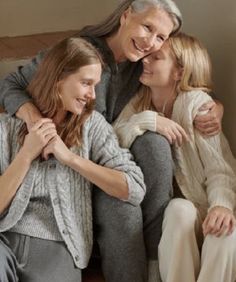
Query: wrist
[25,157]
[70,159]
[29,114]
[74,161]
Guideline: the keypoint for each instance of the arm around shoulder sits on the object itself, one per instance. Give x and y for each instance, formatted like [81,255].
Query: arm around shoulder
[13,92]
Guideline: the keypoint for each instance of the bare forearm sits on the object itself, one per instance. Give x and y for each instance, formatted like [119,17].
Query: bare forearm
[12,178]
[29,114]
[111,181]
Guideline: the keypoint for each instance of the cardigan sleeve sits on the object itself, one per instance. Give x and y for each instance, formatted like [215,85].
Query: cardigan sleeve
[105,150]
[9,128]
[217,161]
[220,178]
[13,92]
[129,125]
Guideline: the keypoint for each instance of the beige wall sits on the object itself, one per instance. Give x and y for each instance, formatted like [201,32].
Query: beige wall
[214,22]
[23,17]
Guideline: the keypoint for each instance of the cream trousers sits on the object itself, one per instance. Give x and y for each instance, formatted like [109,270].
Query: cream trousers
[180,258]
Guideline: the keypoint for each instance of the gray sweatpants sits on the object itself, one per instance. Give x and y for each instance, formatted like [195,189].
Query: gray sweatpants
[128,235]
[27,259]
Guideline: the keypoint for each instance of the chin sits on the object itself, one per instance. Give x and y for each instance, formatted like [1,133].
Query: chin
[134,58]
[144,81]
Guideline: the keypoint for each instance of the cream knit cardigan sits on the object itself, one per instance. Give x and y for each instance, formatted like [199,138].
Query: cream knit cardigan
[205,167]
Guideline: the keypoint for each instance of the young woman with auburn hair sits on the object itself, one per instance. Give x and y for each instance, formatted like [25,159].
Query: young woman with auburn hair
[46,172]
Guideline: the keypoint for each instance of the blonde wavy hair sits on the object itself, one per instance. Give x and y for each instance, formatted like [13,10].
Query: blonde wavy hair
[62,60]
[193,59]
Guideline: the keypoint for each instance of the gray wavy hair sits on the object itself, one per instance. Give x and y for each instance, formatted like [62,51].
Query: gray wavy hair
[112,22]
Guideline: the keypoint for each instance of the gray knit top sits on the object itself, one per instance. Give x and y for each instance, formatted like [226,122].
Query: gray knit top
[70,193]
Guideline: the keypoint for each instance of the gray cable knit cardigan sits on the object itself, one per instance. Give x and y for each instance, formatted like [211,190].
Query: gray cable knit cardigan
[70,192]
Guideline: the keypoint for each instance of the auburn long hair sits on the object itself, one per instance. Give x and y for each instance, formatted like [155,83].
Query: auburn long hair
[62,60]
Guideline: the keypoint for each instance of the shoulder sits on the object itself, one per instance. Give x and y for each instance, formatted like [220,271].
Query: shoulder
[96,122]
[187,105]
[192,100]
[194,97]
[96,118]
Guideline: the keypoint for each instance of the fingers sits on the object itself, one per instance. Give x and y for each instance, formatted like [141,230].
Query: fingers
[219,221]
[232,226]
[48,149]
[222,225]
[48,131]
[45,129]
[209,124]
[176,134]
[208,130]
[207,106]
[209,223]
[40,122]
[180,135]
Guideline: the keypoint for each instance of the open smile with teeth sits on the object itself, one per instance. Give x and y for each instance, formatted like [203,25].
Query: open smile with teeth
[138,47]
[81,102]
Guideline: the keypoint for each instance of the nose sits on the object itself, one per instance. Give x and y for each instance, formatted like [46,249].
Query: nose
[150,42]
[91,93]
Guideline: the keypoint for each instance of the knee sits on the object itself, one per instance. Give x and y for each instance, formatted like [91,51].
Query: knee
[153,154]
[154,145]
[223,244]
[114,215]
[181,214]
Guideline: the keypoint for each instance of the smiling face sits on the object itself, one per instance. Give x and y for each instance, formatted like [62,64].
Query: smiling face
[142,33]
[160,68]
[77,89]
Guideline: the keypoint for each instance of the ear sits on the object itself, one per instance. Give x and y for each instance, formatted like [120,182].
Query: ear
[125,15]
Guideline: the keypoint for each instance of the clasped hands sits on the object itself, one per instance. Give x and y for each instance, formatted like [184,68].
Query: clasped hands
[42,138]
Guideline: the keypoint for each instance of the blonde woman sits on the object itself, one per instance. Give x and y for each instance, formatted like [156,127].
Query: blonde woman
[199,239]
[45,203]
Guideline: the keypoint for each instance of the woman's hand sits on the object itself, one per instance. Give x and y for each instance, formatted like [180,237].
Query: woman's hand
[38,137]
[174,133]
[208,121]
[58,148]
[29,114]
[219,221]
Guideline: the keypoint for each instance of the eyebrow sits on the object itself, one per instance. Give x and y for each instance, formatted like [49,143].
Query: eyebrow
[150,22]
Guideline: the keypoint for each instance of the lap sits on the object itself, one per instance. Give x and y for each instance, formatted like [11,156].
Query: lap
[42,260]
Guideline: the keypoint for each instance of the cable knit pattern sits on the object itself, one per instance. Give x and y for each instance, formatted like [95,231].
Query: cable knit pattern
[205,167]
[38,219]
[70,193]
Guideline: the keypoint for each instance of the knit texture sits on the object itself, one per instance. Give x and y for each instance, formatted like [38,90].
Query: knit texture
[205,167]
[38,219]
[70,193]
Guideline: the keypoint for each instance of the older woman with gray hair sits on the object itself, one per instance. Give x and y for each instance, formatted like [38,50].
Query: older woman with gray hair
[126,235]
